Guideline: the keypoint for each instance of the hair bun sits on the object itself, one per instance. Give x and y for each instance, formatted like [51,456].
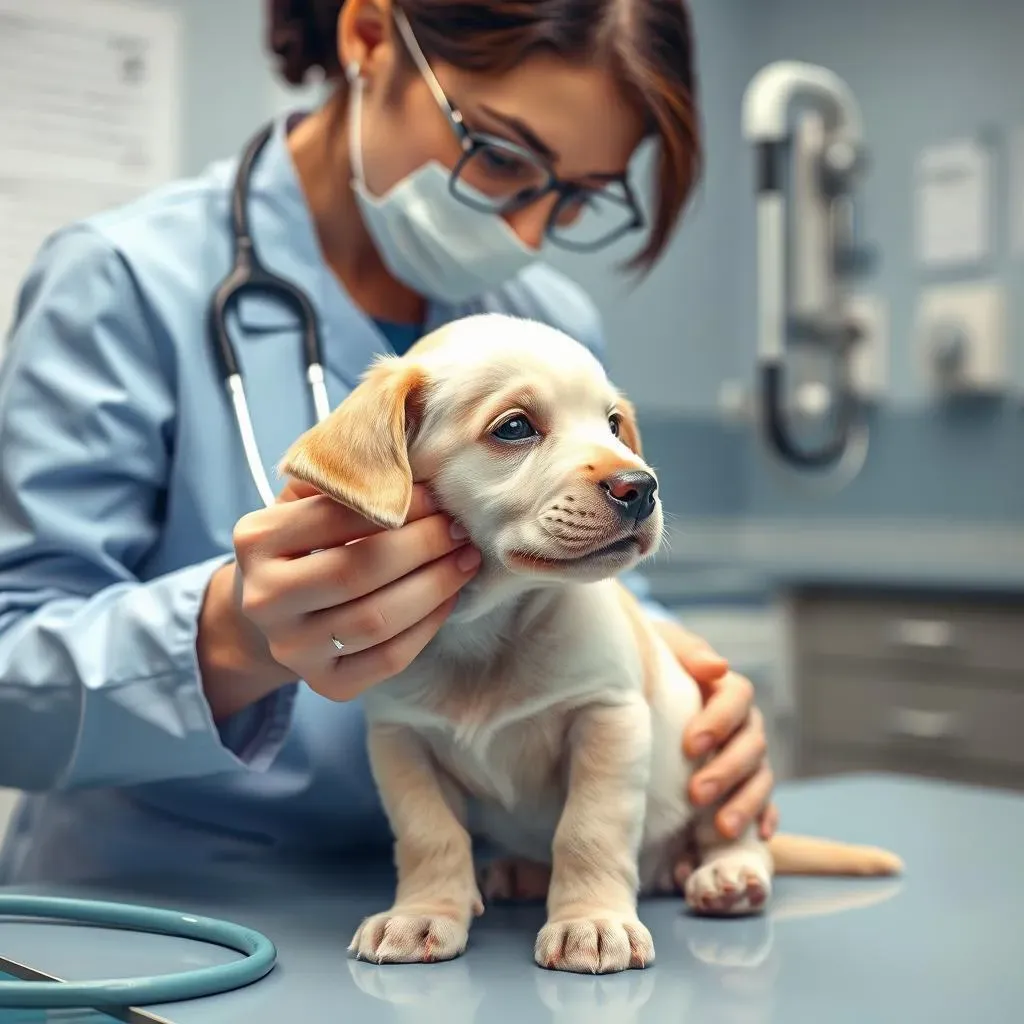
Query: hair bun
[302,34]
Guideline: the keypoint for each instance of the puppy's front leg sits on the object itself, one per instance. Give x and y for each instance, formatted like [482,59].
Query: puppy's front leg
[592,924]
[437,894]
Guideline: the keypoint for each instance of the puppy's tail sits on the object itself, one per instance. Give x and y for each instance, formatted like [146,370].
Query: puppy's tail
[806,855]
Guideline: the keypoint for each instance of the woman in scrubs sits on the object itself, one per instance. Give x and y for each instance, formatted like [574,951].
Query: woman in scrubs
[153,628]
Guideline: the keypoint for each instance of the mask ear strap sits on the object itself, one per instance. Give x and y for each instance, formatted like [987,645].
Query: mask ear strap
[353,73]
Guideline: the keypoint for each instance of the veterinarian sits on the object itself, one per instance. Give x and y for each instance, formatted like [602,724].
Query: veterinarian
[153,627]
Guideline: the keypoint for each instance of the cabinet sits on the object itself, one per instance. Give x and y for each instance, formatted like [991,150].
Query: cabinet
[924,684]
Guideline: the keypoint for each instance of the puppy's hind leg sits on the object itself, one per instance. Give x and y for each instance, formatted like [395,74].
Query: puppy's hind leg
[734,876]
[437,895]
[514,879]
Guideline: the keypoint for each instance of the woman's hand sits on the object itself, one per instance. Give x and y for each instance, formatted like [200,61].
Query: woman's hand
[308,570]
[730,729]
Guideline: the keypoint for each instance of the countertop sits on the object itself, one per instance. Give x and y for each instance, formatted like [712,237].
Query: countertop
[753,555]
[941,944]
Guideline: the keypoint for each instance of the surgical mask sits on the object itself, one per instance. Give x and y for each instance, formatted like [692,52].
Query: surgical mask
[430,240]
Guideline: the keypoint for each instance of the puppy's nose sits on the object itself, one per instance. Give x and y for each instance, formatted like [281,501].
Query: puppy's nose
[631,494]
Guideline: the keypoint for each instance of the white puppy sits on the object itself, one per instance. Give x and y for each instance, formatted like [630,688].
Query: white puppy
[547,715]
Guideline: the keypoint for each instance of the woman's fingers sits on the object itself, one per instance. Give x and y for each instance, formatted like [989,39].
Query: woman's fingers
[295,489]
[695,654]
[385,612]
[337,575]
[746,804]
[310,569]
[729,703]
[768,822]
[295,527]
[346,678]
[739,760]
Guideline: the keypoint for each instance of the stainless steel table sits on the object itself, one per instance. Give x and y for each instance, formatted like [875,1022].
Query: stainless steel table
[944,943]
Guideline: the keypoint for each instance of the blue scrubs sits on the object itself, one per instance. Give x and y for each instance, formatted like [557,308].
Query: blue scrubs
[121,477]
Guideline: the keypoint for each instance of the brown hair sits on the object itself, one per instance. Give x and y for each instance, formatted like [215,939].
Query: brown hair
[649,43]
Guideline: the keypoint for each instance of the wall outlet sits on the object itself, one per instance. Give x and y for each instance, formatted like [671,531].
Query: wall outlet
[961,339]
[869,366]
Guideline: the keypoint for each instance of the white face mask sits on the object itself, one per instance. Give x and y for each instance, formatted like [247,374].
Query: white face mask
[432,242]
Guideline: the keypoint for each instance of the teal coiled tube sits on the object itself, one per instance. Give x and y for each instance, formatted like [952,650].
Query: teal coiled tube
[259,956]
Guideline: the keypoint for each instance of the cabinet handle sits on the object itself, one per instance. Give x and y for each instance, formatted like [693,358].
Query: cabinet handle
[921,724]
[922,634]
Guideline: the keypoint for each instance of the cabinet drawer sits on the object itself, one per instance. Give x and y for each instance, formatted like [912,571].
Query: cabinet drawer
[894,712]
[982,636]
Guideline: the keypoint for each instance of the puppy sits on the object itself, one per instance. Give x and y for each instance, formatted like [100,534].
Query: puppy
[547,715]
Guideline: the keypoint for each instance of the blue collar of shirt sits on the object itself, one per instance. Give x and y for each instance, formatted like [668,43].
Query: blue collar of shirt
[285,237]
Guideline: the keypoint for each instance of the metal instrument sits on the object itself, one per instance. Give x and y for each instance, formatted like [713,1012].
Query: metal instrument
[806,128]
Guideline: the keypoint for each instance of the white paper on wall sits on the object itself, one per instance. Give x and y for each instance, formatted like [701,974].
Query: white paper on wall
[90,117]
[953,204]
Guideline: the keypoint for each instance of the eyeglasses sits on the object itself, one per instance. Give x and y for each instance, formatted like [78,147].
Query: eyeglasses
[494,175]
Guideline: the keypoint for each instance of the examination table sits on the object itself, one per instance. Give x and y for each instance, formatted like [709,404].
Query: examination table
[943,943]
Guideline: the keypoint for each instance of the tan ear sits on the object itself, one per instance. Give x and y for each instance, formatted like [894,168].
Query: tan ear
[629,431]
[359,455]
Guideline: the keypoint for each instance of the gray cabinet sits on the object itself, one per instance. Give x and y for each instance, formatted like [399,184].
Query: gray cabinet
[922,684]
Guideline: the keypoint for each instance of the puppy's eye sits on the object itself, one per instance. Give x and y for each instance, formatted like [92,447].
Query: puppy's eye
[615,423]
[519,428]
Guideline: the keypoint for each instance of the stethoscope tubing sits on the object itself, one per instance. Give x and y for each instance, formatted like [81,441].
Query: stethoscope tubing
[259,956]
[247,275]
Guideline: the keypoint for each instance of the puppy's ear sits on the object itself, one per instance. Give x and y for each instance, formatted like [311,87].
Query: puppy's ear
[359,455]
[629,432]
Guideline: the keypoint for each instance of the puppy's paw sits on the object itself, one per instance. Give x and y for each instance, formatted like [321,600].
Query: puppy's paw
[738,883]
[670,878]
[594,945]
[515,879]
[409,938]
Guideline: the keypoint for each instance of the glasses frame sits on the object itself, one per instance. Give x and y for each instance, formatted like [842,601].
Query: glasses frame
[471,142]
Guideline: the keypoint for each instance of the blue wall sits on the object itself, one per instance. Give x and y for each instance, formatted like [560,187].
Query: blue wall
[227,78]
[674,335]
[924,71]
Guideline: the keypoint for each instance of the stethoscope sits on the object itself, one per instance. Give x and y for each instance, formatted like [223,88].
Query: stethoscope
[39,991]
[248,274]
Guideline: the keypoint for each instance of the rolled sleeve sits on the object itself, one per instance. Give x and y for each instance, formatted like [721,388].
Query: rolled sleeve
[158,726]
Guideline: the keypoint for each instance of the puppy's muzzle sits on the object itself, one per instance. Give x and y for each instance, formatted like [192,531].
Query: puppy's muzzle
[632,494]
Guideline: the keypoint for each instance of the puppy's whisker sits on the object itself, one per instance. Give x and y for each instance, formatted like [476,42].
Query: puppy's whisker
[573,537]
[565,522]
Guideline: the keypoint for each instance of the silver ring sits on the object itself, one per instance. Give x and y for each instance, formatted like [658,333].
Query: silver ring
[337,643]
